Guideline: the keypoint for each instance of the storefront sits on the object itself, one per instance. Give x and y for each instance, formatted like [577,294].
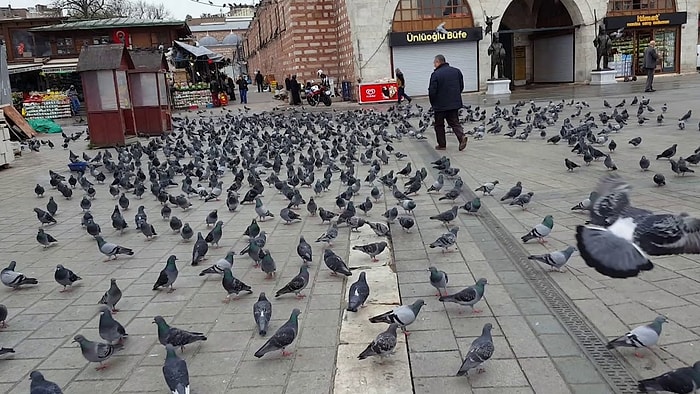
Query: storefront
[413,53]
[639,29]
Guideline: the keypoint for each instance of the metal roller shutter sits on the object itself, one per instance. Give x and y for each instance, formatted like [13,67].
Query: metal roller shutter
[558,69]
[416,62]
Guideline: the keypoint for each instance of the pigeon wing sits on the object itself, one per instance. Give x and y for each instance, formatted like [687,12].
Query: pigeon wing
[613,198]
[660,235]
[610,254]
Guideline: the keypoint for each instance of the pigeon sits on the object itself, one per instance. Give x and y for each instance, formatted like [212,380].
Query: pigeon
[44,217]
[289,216]
[65,277]
[40,385]
[174,336]
[522,200]
[439,280]
[540,231]
[329,235]
[372,249]
[175,224]
[620,248]
[52,206]
[215,234]
[472,207]
[45,239]
[112,296]
[218,267]
[175,372]
[165,212]
[513,192]
[297,284]
[556,260]
[14,279]
[451,195]
[381,229]
[391,214]
[644,163]
[312,207]
[112,250]
[668,153]
[446,240]
[684,380]
[199,249]
[326,216]
[686,116]
[570,165]
[283,337]
[660,180]
[406,222]
[359,291]
[85,204]
[487,188]
[585,205]
[335,263]
[304,251]
[480,351]
[437,185]
[3,316]
[123,202]
[447,216]
[366,206]
[609,163]
[168,275]
[403,315]
[468,296]
[262,312]
[612,146]
[147,230]
[261,211]
[383,345]
[92,228]
[642,336]
[267,264]
[186,233]
[96,352]
[110,330]
[233,285]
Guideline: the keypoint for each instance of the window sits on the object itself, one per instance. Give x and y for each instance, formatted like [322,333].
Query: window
[418,15]
[628,7]
[65,46]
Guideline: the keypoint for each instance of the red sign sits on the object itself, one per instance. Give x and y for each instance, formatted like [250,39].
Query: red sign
[378,92]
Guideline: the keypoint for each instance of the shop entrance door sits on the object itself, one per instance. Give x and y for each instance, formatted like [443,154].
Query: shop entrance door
[642,41]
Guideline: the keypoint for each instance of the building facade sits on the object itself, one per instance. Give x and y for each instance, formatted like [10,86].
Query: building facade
[224,35]
[546,41]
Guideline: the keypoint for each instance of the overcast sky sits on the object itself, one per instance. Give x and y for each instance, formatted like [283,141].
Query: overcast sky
[178,8]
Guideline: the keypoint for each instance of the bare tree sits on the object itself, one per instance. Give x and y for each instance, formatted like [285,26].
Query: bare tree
[83,9]
[97,9]
[143,10]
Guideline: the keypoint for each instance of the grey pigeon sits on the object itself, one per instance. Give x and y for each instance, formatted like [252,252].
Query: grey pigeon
[480,350]
[391,214]
[199,249]
[407,205]
[437,185]
[684,380]
[380,229]
[186,233]
[6,350]
[487,188]
[304,251]
[45,239]
[540,231]
[472,207]
[65,277]
[174,336]
[40,385]
[447,216]
[262,312]
[335,263]
[406,223]
[3,316]
[14,279]
[262,212]
[439,280]
[289,216]
[215,234]
[110,330]
[175,372]
[96,352]
[403,315]
[168,275]
[297,284]
[267,264]
[44,217]
[513,192]
[359,291]
[469,296]
[640,337]
[373,249]
[148,230]
[111,250]
[175,224]
[312,207]
[112,296]
[283,337]
[85,204]
[52,206]
[218,267]
[329,235]
[383,345]
[232,285]
[446,240]
[522,200]
[556,260]
[212,218]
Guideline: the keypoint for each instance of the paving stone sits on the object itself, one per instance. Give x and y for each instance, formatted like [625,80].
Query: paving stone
[543,375]
[558,345]
[576,370]
[432,364]
[455,384]
[499,373]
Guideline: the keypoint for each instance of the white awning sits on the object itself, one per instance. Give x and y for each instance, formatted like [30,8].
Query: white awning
[59,66]
[23,68]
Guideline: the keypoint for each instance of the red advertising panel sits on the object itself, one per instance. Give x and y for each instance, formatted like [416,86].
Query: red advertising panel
[378,92]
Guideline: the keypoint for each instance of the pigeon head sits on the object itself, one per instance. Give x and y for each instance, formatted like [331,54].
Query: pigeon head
[159,321]
[295,315]
[12,265]
[481,282]
[548,221]
[79,338]
[415,307]
[59,267]
[454,230]
[169,351]
[172,259]
[569,251]
[487,329]
[363,277]
[229,256]
[262,297]
[36,376]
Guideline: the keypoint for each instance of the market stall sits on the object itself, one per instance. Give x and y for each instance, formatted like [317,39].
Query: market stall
[7,155]
[149,91]
[378,92]
[196,67]
[103,70]
[48,105]
[191,96]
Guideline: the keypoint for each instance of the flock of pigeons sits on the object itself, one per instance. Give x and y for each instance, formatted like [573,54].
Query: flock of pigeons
[615,242]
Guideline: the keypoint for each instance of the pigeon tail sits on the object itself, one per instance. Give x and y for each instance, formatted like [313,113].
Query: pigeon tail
[649,385]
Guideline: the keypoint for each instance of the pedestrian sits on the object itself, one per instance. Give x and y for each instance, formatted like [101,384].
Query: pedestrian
[214,89]
[295,91]
[401,83]
[445,94]
[259,80]
[650,58]
[72,94]
[242,89]
[288,88]
[231,87]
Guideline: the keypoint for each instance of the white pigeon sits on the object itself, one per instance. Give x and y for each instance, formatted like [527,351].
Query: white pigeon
[441,28]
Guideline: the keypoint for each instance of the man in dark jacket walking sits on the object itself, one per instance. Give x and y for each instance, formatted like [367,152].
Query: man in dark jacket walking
[650,58]
[445,93]
[259,79]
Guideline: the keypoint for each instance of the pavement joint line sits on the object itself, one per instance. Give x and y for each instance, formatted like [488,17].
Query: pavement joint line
[589,341]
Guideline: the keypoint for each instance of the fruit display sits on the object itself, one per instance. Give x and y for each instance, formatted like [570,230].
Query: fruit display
[49,105]
[183,99]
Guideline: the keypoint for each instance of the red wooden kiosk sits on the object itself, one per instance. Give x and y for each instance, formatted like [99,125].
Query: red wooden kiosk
[103,70]
[149,92]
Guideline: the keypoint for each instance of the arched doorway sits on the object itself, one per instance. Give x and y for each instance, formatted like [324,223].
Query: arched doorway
[540,35]
[422,29]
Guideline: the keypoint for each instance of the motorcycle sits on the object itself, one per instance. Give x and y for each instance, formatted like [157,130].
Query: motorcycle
[318,94]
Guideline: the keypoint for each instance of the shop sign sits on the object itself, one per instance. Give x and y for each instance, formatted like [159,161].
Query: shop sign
[433,37]
[646,20]
[377,92]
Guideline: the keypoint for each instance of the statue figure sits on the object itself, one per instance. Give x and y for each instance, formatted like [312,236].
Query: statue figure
[498,56]
[603,45]
[489,23]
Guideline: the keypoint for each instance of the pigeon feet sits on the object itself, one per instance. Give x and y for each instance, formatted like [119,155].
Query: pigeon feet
[300,296]
[638,355]
[170,290]
[3,325]
[226,300]
[480,370]
[375,259]
[64,290]
[474,310]
[286,353]
[101,367]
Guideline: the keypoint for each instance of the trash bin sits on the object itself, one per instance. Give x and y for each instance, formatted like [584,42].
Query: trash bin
[346,88]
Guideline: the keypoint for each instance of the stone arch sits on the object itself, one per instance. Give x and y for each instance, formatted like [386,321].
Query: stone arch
[537,14]
[419,15]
